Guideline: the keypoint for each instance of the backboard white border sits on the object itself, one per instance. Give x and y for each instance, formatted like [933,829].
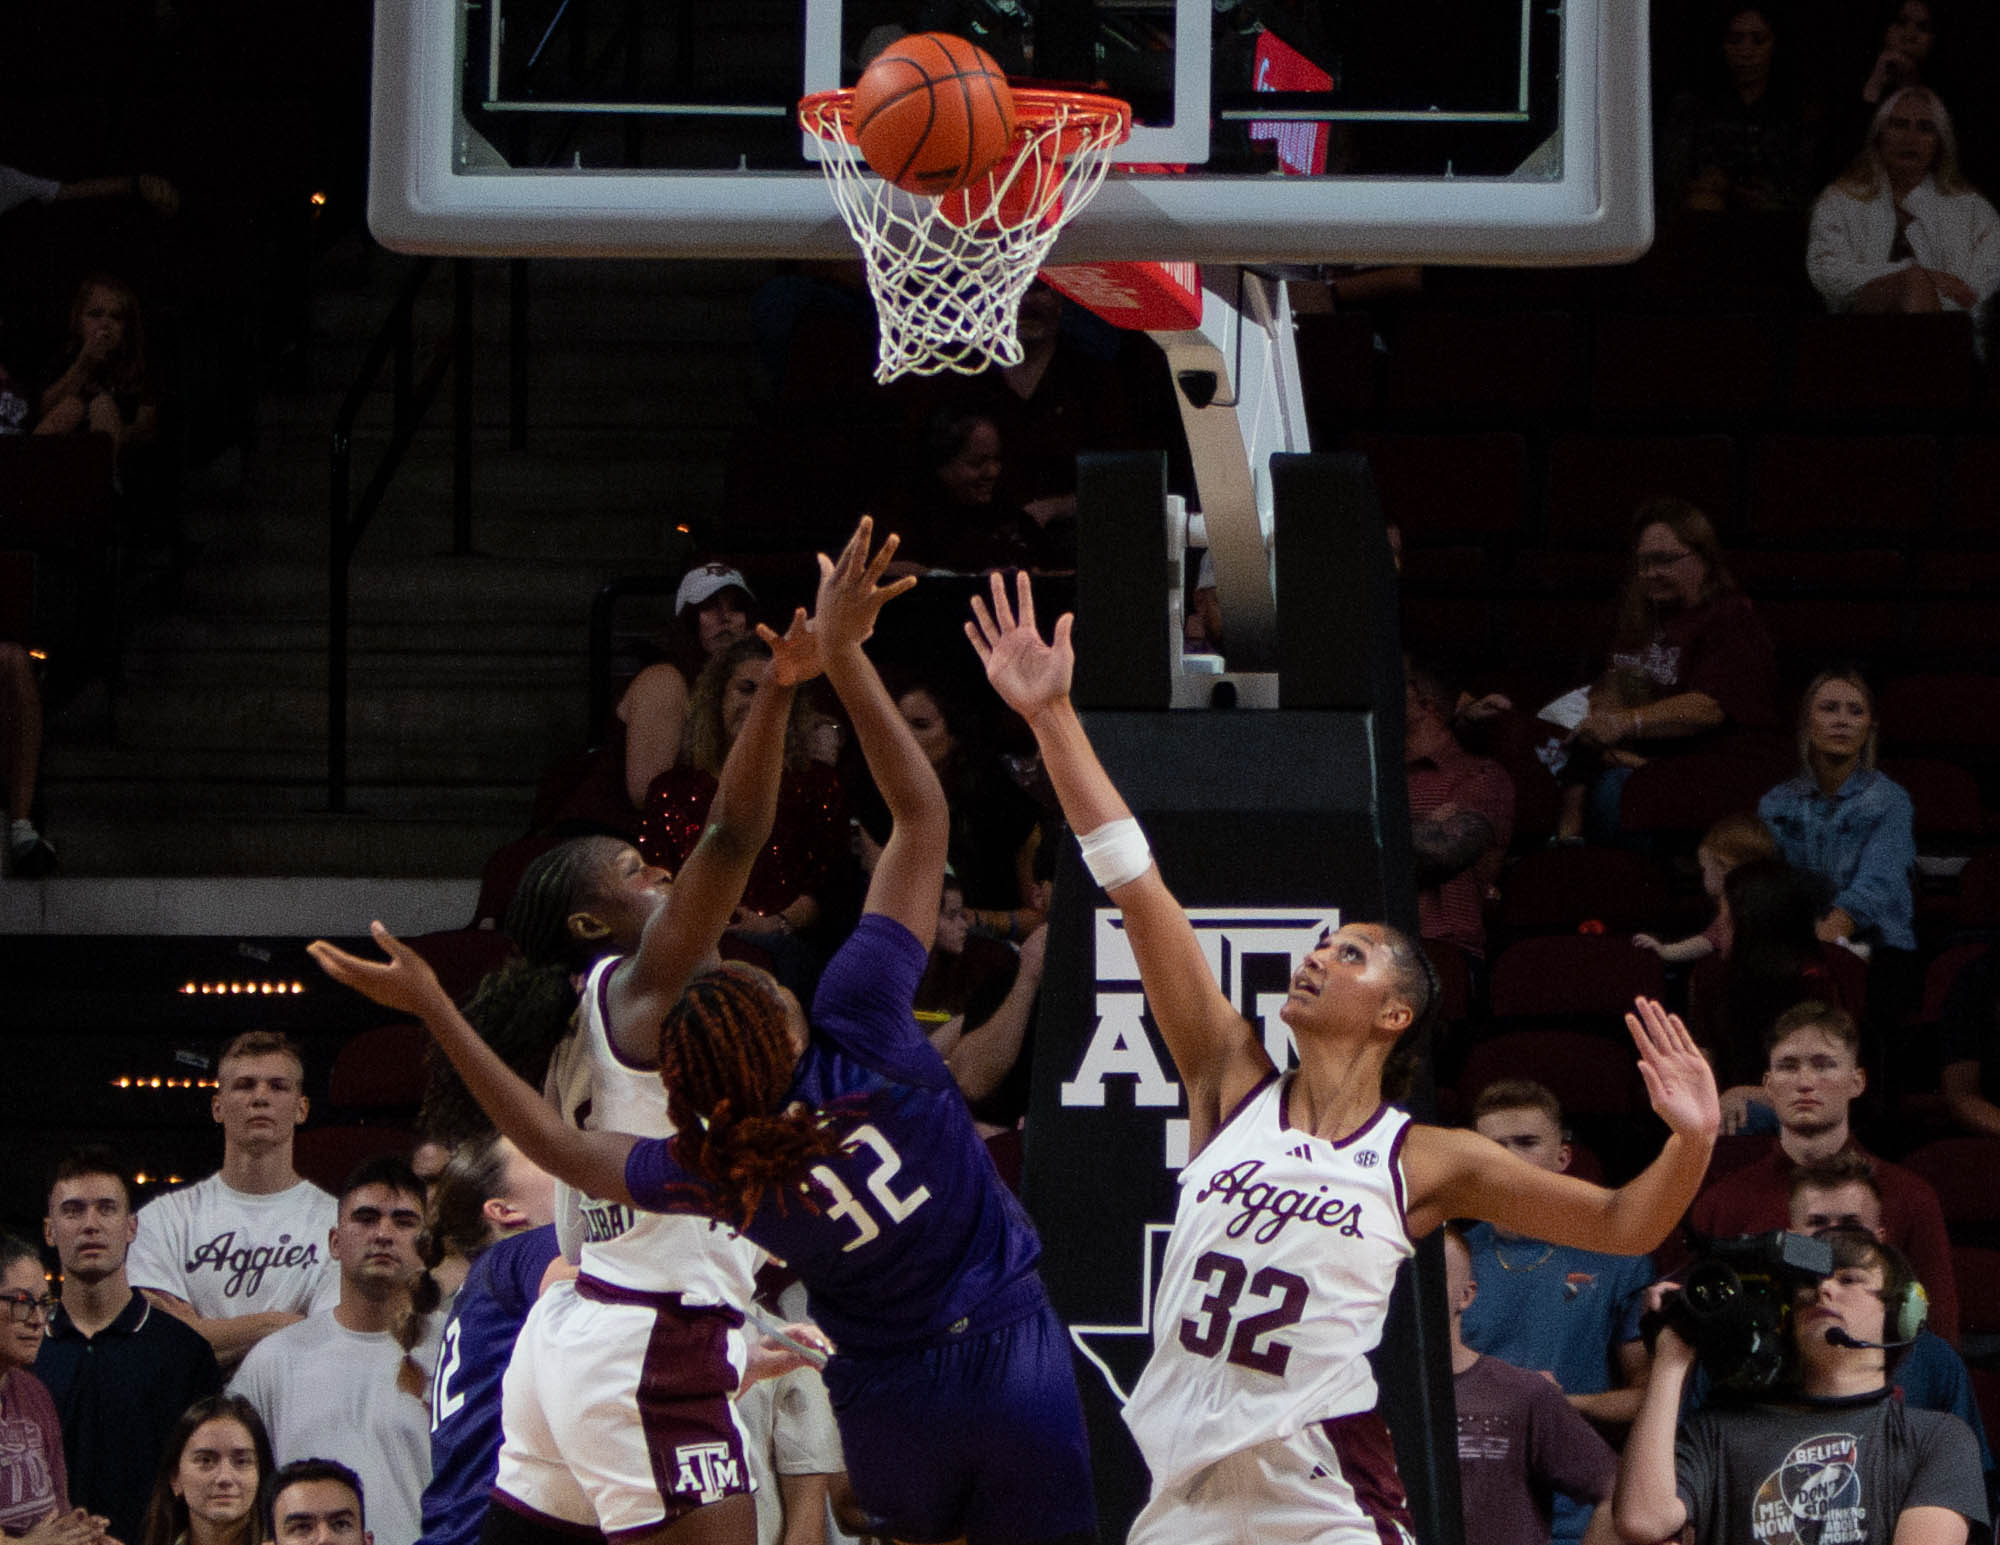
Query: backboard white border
[1600,210]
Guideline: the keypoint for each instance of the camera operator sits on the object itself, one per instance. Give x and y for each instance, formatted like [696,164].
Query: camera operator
[1831,1455]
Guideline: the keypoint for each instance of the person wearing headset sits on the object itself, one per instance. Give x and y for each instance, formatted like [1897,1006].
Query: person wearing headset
[1836,1455]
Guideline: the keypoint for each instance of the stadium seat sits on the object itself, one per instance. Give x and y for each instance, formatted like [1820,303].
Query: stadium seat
[462,957]
[1807,633]
[1807,488]
[1954,631]
[502,877]
[1972,488]
[1593,1075]
[1961,1171]
[1554,890]
[1979,892]
[1449,488]
[1871,369]
[1941,709]
[328,1155]
[1976,1271]
[1710,369]
[55,493]
[1946,797]
[1573,974]
[1505,367]
[1795,572]
[379,1069]
[1597,481]
[1691,793]
[1942,972]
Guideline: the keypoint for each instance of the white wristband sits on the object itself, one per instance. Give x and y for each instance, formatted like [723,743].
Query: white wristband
[1116,853]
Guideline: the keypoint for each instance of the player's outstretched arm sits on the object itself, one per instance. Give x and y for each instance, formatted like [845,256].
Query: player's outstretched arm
[1453,1173]
[593,1162]
[1213,1046]
[909,876]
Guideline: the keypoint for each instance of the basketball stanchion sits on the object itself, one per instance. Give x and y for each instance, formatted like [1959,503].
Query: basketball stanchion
[947,273]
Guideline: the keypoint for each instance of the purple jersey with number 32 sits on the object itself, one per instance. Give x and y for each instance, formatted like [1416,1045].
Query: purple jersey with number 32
[914,1231]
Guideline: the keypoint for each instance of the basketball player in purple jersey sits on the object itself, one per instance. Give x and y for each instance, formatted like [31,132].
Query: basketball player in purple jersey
[843,1147]
[1304,1190]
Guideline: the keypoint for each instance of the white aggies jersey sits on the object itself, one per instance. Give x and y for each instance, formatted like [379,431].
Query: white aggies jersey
[1275,1287]
[648,1252]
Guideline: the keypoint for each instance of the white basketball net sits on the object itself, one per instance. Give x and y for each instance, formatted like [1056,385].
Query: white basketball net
[948,292]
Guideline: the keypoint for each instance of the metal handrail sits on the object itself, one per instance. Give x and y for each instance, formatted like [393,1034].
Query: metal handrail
[412,400]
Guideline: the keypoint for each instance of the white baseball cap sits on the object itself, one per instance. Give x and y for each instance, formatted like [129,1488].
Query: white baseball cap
[703,581]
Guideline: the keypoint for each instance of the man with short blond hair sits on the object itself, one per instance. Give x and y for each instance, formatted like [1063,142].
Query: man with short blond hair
[1812,1076]
[243,1253]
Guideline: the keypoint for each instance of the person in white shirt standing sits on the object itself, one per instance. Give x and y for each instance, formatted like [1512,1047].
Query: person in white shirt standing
[243,1253]
[328,1387]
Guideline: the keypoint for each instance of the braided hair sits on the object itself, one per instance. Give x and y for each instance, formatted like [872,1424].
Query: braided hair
[727,1059]
[524,1009]
[1418,981]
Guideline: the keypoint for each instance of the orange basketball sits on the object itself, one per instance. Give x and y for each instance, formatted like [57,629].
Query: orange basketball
[932,113]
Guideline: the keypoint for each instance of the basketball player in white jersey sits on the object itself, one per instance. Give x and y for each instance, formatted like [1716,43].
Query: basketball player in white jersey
[617,1408]
[1304,1190]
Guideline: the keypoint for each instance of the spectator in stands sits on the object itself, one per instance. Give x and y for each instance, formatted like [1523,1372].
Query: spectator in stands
[954,518]
[29,854]
[1775,960]
[1812,1077]
[34,1482]
[103,387]
[318,1502]
[212,1466]
[332,1383]
[786,899]
[1731,842]
[1691,667]
[514,1204]
[1743,144]
[1841,1192]
[1901,230]
[1571,1314]
[1969,1046]
[1519,1441]
[1461,815]
[241,1254]
[121,1372]
[1846,821]
[1907,39]
[18,187]
[712,609]
[1832,1456]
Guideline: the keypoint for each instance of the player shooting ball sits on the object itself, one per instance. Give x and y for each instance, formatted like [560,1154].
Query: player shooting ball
[1257,1409]
[841,1145]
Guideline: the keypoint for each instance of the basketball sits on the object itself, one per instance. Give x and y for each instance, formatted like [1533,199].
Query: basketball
[932,113]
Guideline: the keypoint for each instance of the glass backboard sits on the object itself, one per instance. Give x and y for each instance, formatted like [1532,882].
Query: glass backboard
[1498,131]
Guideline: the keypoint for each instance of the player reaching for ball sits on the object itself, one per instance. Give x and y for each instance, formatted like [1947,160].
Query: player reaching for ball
[1256,1413]
[843,1147]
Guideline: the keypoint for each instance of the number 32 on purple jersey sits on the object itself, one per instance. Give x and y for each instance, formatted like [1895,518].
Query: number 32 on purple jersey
[846,1205]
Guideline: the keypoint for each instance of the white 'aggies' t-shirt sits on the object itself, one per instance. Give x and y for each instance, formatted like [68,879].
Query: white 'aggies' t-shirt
[230,1254]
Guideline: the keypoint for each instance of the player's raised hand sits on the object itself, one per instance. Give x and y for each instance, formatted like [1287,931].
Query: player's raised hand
[1027,672]
[1678,1078]
[795,656]
[851,593]
[405,981]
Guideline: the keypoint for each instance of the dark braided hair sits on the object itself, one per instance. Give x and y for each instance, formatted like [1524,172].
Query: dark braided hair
[1417,980]
[727,1059]
[524,1009]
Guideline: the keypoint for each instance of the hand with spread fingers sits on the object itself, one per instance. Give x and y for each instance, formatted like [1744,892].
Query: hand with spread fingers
[405,981]
[1027,672]
[1678,1079]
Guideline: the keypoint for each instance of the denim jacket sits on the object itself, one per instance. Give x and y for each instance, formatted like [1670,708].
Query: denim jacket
[1862,839]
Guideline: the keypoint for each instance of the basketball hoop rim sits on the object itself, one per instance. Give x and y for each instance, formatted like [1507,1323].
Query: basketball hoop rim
[1092,118]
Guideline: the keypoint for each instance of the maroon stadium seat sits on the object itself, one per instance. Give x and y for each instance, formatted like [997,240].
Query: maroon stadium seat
[1717,369]
[1573,974]
[1590,1074]
[1808,487]
[1597,481]
[1864,369]
[1556,889]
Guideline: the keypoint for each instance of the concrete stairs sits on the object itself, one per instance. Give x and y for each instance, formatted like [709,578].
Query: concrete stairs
[468,674]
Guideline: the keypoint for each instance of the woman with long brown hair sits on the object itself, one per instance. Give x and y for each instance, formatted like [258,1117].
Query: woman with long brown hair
[1689,663]
[212,1467]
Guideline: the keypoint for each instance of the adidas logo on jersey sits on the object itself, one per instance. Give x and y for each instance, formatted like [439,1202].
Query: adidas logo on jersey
[707,1472]
[1303,1151]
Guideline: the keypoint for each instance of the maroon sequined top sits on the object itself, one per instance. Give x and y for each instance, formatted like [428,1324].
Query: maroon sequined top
[808,836]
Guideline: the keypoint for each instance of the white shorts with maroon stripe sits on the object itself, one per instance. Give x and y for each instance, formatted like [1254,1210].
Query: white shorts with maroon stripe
[617,1412]
[1334,1483]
